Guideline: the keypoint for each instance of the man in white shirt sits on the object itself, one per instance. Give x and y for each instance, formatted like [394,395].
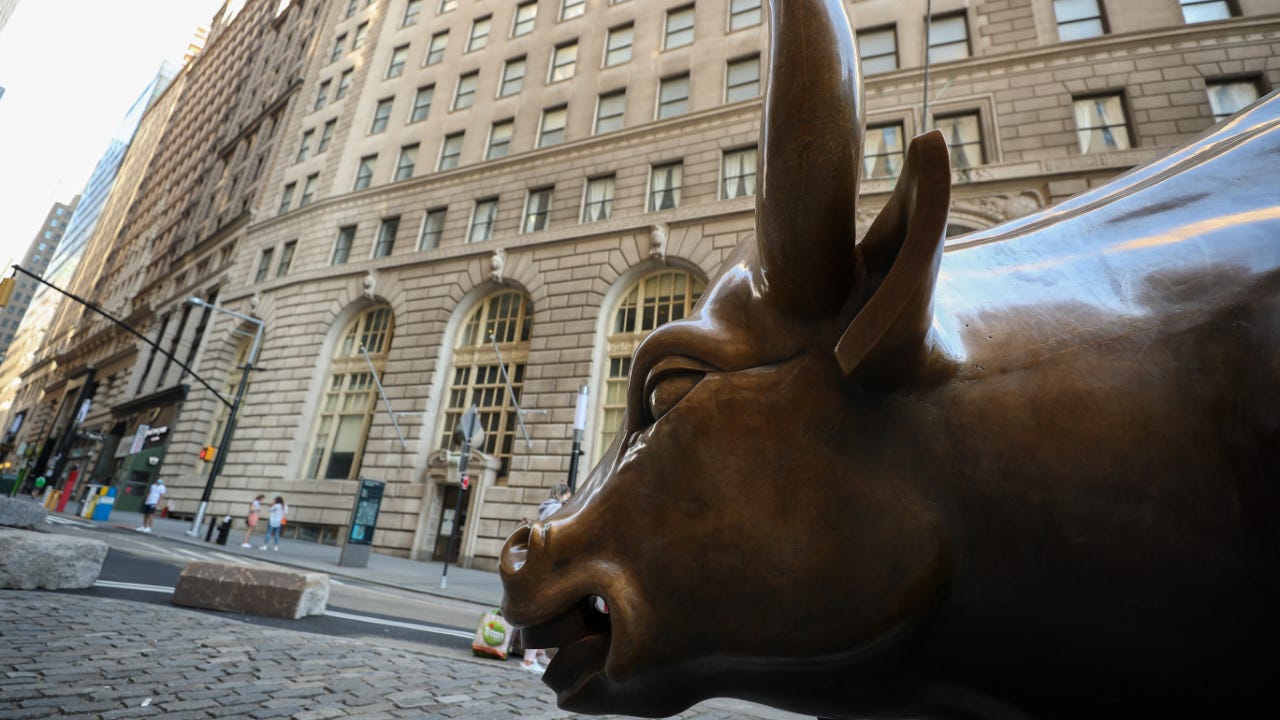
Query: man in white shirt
[149,507]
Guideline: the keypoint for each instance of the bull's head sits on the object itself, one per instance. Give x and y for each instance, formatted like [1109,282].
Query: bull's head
[745,534]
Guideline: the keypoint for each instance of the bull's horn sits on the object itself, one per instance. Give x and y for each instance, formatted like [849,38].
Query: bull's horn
[811,151]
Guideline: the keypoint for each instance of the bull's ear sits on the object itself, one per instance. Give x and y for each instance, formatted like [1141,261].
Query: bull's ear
[810,155]
[887,341]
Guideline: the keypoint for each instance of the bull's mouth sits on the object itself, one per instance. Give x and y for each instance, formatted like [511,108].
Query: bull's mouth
[582,636]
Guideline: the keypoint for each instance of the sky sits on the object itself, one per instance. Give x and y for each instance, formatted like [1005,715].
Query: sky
[70,70]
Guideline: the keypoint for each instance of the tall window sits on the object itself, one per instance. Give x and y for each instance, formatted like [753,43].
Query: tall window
[321,95]
[572,8]
[564,59]
[342,246]
[742,79]
[1196,11]
[411,12]
[500,139]
[264,265]
[448,6]
[339,46]
[287,197]
[432,229]
[450,152]
[386,236]
[738,174]
[673,96]
[435,50]
[1078,19]
[286,258]
[326,136]
[512,77]
[679,28]
[551,131]
[308,190]
[399,57]
[537,208]
[743,14]
[1226,98]
[1101,125]
[882,157]
[479,33]
[506,319]
[304,147]
[948,38]
[610,110]
[381,114]
[664,186]
[362,33]
[617,46]
[878,50]
[466,94]
[422,103]
[408,158]
[344,84]
[597,203]
[964,138]
[482,218]
[526,15]
[364,173]
[348,403]
[650,303]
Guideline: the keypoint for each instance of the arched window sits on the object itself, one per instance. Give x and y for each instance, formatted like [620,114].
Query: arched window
[505,318]
[653,301]
[349,400]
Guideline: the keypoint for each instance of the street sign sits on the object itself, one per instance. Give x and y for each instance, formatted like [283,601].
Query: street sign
[470,429]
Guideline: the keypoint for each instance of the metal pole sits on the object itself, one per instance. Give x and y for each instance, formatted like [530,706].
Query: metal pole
[579,424]
[386,401]
[928,24]
[457,510]
[225,444]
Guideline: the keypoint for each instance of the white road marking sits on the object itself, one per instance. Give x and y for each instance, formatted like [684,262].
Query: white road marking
[398,624]
[54,519]
[132,586]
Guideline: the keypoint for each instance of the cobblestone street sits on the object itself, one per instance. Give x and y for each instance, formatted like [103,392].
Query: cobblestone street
[65,655]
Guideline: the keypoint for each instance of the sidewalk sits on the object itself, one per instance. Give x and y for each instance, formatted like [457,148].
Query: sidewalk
[476,586]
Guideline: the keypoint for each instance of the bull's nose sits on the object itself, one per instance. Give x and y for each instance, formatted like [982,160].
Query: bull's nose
[515,552]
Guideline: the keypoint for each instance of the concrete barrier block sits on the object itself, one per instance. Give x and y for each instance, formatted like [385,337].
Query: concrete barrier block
[268,592]
[21,512]
[34,560]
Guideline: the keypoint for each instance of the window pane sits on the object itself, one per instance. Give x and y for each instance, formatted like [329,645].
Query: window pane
[1101,124]
[432,229]
[743,13]
[739,173]
[1196,11]
[743,80]
[679,29]
[882,157]
[964,139]
[618,45]
[878,50]
[673,97]
[609,112]
[1226,99]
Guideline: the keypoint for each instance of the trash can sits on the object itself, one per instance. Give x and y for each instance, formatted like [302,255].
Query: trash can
[224,529]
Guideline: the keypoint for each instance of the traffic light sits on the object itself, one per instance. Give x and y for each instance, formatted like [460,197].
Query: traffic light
[208,453]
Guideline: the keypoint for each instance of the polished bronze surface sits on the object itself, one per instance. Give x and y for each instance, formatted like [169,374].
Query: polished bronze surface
[1035,475]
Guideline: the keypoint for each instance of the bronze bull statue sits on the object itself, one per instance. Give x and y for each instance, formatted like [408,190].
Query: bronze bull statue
[1035,475]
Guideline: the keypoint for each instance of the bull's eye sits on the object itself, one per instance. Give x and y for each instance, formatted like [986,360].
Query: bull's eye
[668,383]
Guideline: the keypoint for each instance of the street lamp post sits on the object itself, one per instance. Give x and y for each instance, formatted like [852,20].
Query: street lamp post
[579,424]
[225,444]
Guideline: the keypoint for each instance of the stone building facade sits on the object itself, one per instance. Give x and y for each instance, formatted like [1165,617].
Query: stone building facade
[492,203]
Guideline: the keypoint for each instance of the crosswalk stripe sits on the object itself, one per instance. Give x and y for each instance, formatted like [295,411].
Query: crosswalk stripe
[397,624]
[132,586]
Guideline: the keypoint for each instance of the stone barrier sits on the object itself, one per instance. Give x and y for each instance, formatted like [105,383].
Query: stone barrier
[254,591]
[21,513]
[49,561]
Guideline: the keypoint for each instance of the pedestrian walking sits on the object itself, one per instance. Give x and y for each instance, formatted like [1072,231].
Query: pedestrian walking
[275,520]
[560,495]
[251,521]
[149,507]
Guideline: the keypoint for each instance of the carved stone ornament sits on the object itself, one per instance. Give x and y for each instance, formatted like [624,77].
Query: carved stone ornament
[1037,476]
[497,264]
[370,284]
[658,241]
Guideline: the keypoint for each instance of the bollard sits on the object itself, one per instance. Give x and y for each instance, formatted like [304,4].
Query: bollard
[208,535]
[224,529]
